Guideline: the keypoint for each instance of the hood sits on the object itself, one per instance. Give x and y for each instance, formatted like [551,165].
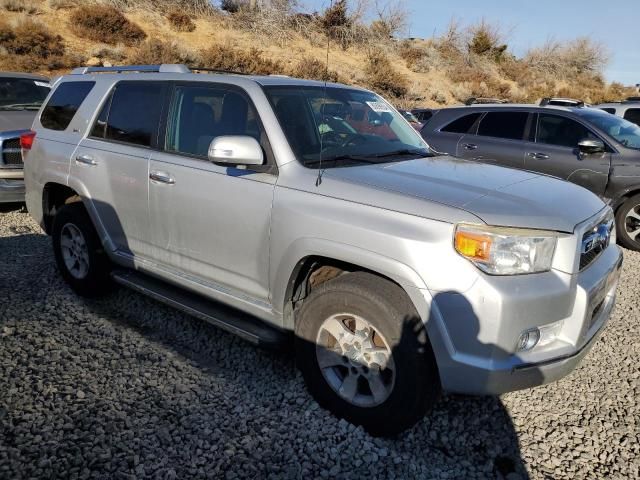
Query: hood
[16,119]
[497,195]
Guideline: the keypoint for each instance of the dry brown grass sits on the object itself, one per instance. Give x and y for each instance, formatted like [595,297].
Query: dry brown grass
[154,51]
[105,24]
[252,61]
[383,78]
[24,6]
[313,69]
[180,21]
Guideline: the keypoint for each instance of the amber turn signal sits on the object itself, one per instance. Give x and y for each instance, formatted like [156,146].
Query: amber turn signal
[473,245]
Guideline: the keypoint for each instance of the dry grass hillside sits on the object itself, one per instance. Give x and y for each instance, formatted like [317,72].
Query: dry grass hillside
[51,36]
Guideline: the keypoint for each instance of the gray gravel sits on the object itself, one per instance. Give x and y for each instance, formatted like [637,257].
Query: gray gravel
[127,388]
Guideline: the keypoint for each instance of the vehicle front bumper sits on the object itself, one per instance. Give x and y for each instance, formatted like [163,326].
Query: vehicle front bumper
[475,333]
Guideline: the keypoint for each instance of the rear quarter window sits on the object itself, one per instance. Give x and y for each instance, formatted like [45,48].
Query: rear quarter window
[63,104]
[609,110]
[462,124]
[633,115]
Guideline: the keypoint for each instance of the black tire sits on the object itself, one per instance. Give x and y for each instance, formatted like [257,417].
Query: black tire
[97,281]
[624,224]
[388,309]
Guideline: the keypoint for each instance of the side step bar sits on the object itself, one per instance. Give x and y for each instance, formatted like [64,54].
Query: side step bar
[230,319]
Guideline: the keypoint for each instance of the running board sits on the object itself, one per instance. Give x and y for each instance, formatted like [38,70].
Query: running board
[227,318]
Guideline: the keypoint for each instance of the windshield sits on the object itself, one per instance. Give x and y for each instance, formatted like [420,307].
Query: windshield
[343,127]
[22,93]
[623,131]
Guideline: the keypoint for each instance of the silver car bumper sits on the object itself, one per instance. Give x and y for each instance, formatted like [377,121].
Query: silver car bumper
[480,327]
[11,189]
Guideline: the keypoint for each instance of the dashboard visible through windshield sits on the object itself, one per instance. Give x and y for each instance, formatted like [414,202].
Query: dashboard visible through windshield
[343,126]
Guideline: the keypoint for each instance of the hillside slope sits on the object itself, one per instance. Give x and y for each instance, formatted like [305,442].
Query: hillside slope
[52,36]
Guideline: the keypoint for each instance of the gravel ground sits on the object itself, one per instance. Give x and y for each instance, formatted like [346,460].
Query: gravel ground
[127,388]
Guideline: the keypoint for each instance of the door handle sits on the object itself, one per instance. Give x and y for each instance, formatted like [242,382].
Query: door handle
[470,146]
[541,156]
[86,160]
[162,177]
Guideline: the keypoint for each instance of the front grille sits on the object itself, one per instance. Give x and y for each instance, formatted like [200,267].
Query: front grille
[595,241]
[11,152]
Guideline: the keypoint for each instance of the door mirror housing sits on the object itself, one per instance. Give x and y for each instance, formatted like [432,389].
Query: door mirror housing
[236,150]
[591,146]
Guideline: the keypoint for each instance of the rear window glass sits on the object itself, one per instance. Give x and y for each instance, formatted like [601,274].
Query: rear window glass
[609,110]
[462,124]
[64,104]
[633,115]
[508,125]
[133,115]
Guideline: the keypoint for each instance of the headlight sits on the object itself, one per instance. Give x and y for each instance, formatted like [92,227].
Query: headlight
[506,251]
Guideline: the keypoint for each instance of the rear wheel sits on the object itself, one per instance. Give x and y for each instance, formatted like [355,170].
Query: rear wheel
[78,251]
[364,353]
[628,221]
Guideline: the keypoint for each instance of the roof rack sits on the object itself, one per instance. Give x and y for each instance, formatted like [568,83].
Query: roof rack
[217,70]
[164,68]
[632,100]
[562,102]
[477,100]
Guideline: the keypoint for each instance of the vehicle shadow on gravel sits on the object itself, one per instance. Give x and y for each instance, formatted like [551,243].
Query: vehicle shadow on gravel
[125,387]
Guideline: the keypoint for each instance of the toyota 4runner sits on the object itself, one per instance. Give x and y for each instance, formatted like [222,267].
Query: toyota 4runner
[270,206]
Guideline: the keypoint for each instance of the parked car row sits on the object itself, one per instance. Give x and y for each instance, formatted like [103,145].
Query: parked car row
[275,208]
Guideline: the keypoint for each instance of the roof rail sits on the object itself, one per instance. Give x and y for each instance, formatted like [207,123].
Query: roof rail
[217,70]
[562,102]
[477,100]
[164,68]
[632,99]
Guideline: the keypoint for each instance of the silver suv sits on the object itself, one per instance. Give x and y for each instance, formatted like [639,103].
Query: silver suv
[270,206]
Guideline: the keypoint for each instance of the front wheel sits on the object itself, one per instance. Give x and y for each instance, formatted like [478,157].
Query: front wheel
[628,221]
[364,353]
[79,255]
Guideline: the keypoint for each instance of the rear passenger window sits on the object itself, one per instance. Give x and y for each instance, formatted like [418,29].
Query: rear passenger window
[561,131]
[199,114]
[609,110]
[633,115]
[63,104]
[133,113]
[462,124]
[509,125]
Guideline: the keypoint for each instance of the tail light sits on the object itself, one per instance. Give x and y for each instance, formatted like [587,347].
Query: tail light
[26,140]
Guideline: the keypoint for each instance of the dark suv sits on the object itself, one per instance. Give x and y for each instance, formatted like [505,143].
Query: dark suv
[583,145]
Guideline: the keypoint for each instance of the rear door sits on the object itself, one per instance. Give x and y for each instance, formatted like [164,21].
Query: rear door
[499,139]
[555,152]
[113,162]
[445,138]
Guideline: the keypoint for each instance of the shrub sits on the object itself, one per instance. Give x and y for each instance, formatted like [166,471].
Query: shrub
[314,69]
[106,24]
[62,4]
[486,40]
[31,38]
[116,54]
[180,21]
[251,61]
[156,51]
[382,77]
[25,6]
[410,54]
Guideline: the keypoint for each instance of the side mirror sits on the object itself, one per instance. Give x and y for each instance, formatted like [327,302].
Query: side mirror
[591,146]
[236,150]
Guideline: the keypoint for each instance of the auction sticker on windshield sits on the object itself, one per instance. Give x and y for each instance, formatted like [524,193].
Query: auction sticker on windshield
[379,107]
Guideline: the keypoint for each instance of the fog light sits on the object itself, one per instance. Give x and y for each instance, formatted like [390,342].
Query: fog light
[539,336]
[528,339]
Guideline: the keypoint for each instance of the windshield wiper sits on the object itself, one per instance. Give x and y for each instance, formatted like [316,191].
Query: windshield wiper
[404,151]
[21,106]
[355,158]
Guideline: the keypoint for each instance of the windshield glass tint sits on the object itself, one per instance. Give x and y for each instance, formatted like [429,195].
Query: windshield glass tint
[343,126]
[625,132]
[22,93]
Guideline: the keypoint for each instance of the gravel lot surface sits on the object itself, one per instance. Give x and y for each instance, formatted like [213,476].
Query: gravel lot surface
[127,388]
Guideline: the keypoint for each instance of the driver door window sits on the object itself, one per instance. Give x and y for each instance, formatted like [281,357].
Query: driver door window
[561,131]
